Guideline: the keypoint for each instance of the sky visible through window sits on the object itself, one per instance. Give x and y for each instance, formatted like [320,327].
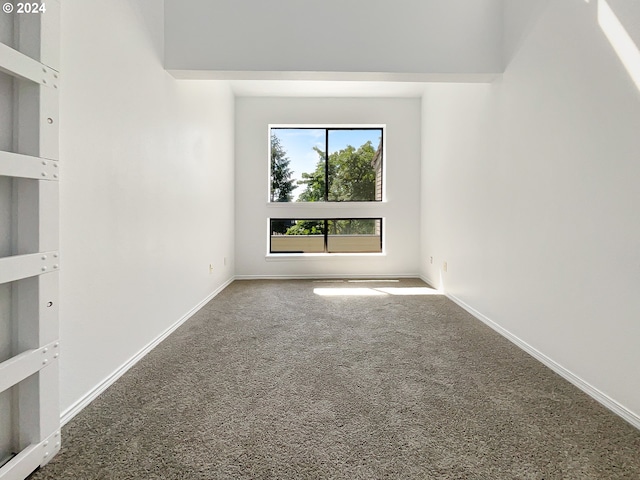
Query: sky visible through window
[299,143]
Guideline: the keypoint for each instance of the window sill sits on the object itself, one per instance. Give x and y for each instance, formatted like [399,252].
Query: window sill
[305,205]
[286,257]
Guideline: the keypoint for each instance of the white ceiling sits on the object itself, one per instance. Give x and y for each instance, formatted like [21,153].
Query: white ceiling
[397,37]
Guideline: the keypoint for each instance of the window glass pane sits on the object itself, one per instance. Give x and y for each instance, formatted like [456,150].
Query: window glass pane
[298,164]
[355,165]
[297,236]
[355,235]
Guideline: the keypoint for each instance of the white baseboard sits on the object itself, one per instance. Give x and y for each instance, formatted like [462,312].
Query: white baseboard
[586,387]
[428,281]
[324,276]
[74,409]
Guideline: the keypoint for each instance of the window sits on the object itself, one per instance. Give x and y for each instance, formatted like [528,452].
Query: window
[333,164]
[340,235]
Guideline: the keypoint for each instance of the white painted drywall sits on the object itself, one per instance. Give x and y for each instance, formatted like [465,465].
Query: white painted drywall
[146,194]
[403,36]
[530,194]
[401,211]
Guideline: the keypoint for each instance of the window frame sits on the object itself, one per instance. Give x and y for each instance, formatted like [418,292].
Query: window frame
[327,128]
[326,220]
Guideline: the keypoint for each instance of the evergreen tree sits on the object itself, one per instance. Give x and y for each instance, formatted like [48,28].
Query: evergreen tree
[282,185]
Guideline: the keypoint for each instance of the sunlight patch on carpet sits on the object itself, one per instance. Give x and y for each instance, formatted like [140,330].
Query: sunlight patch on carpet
[362,292]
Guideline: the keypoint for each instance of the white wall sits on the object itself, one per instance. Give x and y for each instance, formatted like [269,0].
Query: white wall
[401,212]
[530,193]
[146,190]
[403,36]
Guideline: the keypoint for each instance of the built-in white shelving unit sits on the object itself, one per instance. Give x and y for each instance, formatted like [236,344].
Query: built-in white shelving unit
[29,252]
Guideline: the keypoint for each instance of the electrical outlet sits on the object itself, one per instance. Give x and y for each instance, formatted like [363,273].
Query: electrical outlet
[444,266]
[431,260]
[210,268]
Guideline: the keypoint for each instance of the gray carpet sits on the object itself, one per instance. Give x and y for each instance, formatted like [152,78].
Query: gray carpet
[270,380]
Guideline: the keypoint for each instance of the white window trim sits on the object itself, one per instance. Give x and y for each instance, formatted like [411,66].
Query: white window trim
[363,209]
[271,257]
[287,257]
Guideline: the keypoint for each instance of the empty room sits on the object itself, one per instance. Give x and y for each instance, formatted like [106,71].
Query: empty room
[319,239]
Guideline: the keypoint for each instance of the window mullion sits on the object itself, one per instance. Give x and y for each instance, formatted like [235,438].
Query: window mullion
[326,236]
[326,165]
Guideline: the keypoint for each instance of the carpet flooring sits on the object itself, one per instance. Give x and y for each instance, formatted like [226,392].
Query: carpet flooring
[341,380]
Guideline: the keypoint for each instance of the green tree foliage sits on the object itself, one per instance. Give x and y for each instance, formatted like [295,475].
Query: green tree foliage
[307,227]
[355,226]
[351,178]
[282,185]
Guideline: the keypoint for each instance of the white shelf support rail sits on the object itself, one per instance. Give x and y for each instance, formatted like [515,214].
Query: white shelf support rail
[25,266]
[30,458]
[19,65]
[22,366]
[26,166]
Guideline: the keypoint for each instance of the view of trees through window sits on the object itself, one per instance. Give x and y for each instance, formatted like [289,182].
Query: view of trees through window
[326,164]
[344,235]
